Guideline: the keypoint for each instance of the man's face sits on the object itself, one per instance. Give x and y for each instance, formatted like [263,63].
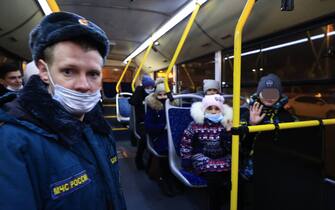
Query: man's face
[74,68]
[13,79]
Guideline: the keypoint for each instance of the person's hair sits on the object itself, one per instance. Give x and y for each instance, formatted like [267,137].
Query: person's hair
[6,68]
[85,43]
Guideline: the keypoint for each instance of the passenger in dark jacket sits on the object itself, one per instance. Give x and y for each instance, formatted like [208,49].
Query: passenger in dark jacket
[155,119]
[57,151]
[137,100]
[266,106]
[155,126]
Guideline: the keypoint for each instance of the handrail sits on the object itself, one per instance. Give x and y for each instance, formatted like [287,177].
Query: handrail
[117,88]
[53,5]
[236,100]
[189,78]
[140,67]
[180,46]
[290,125]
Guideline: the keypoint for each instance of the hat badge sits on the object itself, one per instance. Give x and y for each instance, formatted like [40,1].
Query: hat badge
[269,83]
[83,21]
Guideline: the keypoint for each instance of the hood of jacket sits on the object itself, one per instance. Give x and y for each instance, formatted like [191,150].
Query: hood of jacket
[153,102]
[35,105]
[199,116]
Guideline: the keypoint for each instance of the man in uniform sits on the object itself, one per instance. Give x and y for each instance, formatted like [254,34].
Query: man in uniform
[56,149]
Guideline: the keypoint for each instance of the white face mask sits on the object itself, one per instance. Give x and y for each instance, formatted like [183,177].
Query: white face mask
[74,102]
[149,90]
[14,88]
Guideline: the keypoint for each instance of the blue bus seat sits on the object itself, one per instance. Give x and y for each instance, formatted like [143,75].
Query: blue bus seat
[178,118]
[123,108]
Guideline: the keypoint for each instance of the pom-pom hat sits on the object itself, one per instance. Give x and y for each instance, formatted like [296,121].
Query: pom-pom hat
[213,100]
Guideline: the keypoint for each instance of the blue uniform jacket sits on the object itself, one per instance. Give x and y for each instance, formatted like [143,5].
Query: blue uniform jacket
[51,160]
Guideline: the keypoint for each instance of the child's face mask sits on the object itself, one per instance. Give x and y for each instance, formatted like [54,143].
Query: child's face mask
[214,117]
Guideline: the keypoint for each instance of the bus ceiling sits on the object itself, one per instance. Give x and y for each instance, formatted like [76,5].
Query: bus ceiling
[213,29]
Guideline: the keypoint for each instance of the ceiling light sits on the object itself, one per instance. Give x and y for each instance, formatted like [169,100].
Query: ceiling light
[287,44]
[182,14]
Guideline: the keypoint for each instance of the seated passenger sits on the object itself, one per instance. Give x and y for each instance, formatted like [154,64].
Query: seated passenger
[211,87]
[206,146]
[155,126]
[155,119]
[137,99]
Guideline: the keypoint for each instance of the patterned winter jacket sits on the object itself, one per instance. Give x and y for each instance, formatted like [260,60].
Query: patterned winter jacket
[206,146]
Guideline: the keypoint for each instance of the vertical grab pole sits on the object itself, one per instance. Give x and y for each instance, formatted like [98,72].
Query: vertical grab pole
[121,78]
[140,67]
[236,100]
[53,5]
[180,46]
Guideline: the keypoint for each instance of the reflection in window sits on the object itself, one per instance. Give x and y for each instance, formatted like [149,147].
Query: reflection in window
[191,74]
[305,64]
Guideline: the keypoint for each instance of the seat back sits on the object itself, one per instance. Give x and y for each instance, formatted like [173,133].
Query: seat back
[132,124]
[178,118]
[123,108]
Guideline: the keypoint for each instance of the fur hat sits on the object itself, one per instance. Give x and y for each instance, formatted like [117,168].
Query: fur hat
[160,87]
[211,84]
[212,100]
[269,81]
[147,81]
[63,26]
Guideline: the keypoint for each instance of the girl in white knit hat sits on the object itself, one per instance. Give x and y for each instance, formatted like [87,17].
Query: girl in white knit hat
[206,146]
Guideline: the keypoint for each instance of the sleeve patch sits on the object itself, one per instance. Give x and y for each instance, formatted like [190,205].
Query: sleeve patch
[113,160]
[69,185]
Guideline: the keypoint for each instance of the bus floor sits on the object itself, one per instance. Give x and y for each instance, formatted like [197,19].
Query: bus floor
[143,193]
